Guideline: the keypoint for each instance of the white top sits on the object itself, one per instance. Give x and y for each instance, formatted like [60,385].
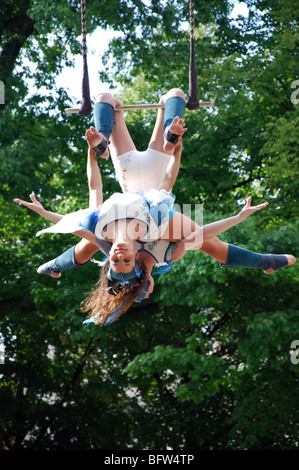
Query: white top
[153,211]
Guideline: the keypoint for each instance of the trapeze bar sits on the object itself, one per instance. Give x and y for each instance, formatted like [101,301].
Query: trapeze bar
[202,104]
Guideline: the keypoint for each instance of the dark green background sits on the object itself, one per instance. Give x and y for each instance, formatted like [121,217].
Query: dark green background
[205,362]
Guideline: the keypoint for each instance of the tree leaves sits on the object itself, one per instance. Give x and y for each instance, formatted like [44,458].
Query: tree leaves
[203,363]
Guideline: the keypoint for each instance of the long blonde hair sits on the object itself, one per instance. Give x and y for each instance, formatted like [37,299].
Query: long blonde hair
[106,296]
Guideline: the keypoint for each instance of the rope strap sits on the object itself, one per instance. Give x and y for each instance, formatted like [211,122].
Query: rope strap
[86,108]
[193,102]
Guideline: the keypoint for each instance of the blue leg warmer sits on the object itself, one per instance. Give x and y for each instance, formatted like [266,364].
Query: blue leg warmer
[64,262]
[241,258]
[174,106]
[103,114]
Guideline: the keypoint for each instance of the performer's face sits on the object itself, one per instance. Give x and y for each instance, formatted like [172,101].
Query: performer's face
[122,258]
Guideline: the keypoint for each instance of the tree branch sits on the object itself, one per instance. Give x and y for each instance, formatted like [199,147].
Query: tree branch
[20,28]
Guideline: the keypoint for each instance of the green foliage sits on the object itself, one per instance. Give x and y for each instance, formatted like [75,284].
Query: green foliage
[204,363]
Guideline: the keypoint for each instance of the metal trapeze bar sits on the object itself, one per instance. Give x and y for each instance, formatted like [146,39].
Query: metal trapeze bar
[202,104]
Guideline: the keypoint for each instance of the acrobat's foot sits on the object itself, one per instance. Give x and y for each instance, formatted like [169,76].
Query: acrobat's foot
[97,142]
[105,155]
[45,269]
[170,141]
[172,133]
[291,260]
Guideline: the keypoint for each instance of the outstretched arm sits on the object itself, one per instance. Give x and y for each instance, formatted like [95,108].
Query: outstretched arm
[195,239]
[37,207]
[216,228]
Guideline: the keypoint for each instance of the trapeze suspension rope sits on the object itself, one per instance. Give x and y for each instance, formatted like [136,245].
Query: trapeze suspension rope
[86,107]
[193,102]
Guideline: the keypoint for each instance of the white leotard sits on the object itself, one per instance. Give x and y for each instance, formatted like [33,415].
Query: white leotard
[140,171]
[160,250]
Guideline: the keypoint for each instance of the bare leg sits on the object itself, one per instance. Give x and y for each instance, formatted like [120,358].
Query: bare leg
[120,139]
[84,251]
[179,227]
[216,248]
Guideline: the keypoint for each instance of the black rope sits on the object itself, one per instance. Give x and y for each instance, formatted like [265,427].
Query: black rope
[193,102]
[86,107]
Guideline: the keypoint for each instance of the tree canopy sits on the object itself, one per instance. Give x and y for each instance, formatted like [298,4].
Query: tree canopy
[205,362]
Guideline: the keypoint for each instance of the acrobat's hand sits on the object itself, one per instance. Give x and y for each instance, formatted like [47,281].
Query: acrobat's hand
[35,205]
[248,210]
[150,286]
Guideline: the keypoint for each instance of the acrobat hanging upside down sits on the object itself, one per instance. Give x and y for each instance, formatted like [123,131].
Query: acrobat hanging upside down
[151,232]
